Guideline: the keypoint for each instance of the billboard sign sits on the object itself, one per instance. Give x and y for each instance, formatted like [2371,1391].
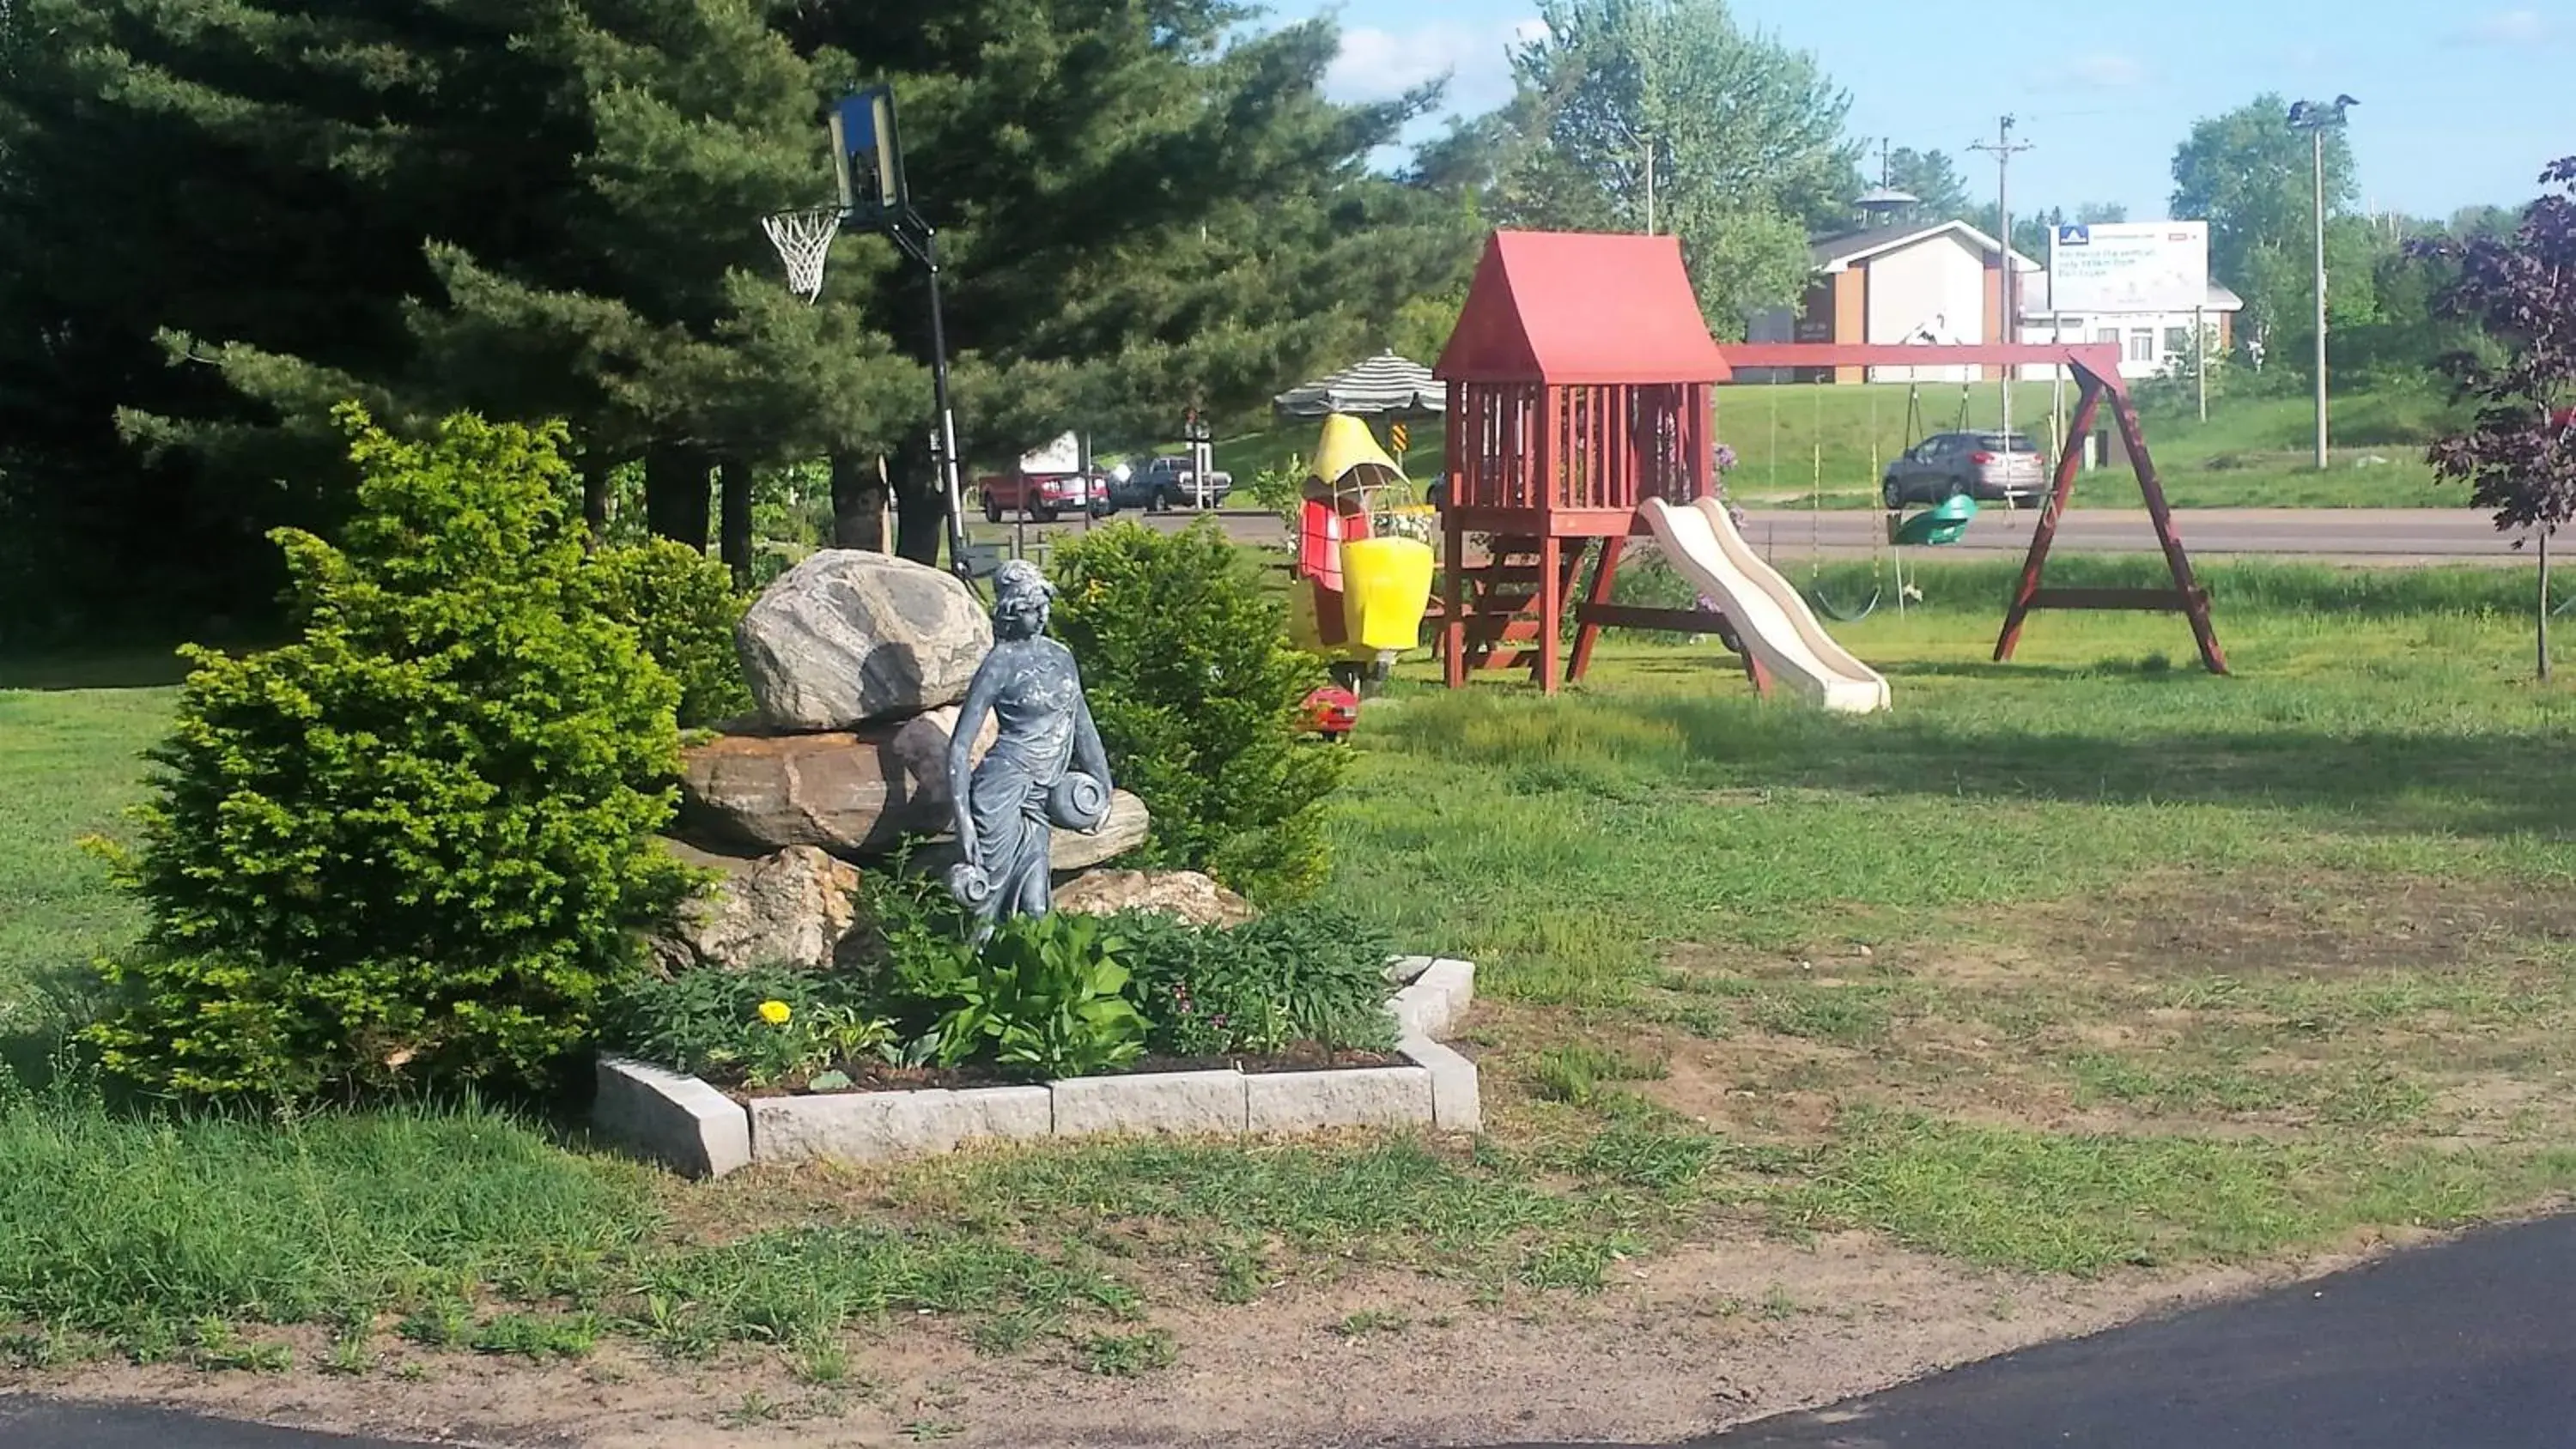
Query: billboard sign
[2129,266]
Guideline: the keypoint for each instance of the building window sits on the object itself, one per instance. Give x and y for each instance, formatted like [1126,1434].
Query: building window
[2177,342]
[2071,324]
[2142,345]
[2108,336]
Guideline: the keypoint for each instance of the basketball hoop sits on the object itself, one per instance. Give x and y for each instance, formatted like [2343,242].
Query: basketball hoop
[804,242]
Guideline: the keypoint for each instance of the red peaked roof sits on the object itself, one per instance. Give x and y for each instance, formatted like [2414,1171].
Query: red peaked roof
[1581,307]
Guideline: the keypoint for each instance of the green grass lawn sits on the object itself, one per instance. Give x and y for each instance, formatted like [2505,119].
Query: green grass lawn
[2087,961]
[1795,440]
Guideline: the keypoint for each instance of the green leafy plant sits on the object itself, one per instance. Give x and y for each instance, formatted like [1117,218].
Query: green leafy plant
[758,1027]
[1281,489]
[1200,699]
[683,608]
[1307,974]
[415,844]
[913,928]
[1045,999]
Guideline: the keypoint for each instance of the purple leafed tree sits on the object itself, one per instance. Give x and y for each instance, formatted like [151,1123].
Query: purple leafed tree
[2518,455]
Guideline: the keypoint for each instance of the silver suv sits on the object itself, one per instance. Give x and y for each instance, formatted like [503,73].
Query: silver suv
[1989,467]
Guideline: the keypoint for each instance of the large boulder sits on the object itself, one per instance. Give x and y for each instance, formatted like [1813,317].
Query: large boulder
[1068,850]
[848,636]
[797,908]
[1184,895]
[853,792]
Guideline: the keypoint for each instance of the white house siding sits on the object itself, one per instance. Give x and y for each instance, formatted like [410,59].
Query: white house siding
[1935,286]
[2159,329]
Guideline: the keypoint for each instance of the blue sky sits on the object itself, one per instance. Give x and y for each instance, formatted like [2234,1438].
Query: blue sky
[2460,103]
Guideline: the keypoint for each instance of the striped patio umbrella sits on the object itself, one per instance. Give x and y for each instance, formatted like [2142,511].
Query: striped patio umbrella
[1383,384]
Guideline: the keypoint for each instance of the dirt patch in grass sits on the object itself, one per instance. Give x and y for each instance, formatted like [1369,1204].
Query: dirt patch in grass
[2233,1006]
[1711,1334]
[2314,924]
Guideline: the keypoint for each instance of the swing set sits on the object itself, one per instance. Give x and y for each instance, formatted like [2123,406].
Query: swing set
[1939,525]
[2096,371]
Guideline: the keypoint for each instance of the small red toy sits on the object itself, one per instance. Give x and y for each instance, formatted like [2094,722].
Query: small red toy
[1333,712]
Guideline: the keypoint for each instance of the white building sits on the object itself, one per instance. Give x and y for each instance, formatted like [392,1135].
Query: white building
[2148,341]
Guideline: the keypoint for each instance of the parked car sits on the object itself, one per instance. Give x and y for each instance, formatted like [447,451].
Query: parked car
[1044,496]
[1989,467]
[1157,484]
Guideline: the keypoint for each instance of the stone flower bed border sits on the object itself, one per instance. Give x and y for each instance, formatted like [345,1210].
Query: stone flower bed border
[697,1130]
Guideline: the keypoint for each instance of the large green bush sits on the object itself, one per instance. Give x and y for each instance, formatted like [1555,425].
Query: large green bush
[1199,697]
[683,608]
[410,846]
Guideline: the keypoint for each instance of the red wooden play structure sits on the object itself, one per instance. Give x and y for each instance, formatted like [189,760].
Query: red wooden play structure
[1579,379]
[1582,382]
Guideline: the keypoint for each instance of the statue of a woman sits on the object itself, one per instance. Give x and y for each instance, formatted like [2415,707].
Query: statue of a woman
[1028,782]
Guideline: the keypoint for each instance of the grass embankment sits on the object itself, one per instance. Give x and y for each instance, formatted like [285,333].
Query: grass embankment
[2087,961]
[2252,453]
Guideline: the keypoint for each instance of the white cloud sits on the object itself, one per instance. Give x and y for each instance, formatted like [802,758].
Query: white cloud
[1377,64]
[2508,27]
[2107,69]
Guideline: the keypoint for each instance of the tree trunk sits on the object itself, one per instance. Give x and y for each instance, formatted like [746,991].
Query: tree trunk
[858,502]
[733,477]
[675,494]
[921,519]
[595,471]
[2544,606]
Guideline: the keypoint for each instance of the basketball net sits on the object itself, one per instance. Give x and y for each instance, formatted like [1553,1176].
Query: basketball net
[804,242]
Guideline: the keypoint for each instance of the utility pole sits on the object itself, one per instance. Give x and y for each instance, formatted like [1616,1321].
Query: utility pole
[2003,150]
[2316,118]
[1650,186]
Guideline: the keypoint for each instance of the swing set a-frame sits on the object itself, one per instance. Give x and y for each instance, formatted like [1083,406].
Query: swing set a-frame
[2096,371]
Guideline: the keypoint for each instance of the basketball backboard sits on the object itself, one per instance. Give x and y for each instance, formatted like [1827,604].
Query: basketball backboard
[866,157]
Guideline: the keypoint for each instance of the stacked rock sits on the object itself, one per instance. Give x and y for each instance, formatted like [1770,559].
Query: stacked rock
[856,663]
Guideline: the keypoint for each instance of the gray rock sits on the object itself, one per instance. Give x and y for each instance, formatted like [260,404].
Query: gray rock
[678,1121]
[852,1126]
[848,636]
[1070,850]
[1353,1097]
[881,1126]
[1456,1103]
[1185,895]
[1184,1102]
[855,793]
[797,908]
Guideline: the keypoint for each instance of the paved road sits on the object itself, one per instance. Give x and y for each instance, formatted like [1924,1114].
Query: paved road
[2354,535]
[2467,1346]
[2470,1344]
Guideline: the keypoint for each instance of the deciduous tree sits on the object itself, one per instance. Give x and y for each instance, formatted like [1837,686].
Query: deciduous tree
[1746,136]
[2519,455]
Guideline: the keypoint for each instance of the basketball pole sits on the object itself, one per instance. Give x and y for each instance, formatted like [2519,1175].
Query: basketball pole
[925,250]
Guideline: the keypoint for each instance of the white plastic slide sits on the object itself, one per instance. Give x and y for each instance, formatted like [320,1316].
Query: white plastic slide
[1768,614]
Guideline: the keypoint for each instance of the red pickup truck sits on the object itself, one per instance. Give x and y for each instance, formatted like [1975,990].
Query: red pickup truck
[1042,496]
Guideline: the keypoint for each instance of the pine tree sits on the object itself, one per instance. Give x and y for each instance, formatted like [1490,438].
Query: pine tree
[225,217]
[1135,214]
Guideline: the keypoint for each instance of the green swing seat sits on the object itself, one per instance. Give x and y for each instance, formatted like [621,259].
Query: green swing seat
[1936,526]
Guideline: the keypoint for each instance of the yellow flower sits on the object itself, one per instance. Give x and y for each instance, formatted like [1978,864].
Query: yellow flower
[775,1012]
